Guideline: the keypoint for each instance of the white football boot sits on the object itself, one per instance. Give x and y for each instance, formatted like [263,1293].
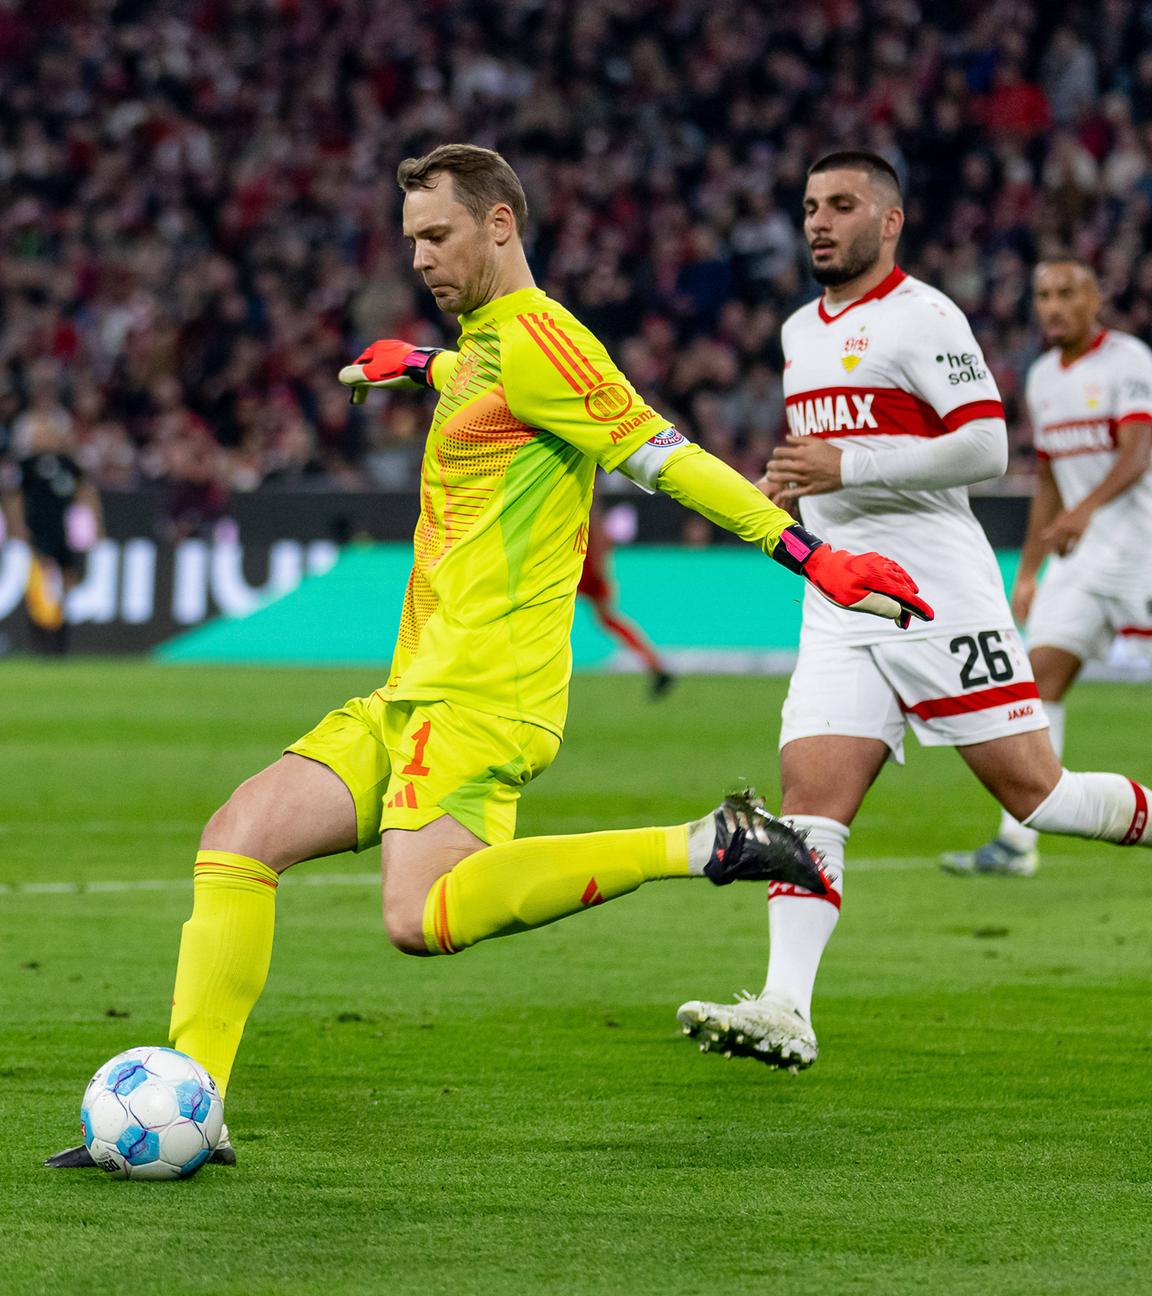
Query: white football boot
[765,1028]
[996,856]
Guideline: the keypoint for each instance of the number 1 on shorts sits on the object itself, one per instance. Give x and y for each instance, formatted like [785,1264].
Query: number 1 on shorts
[416,765]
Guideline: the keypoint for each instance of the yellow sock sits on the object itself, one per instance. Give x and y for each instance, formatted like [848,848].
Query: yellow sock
[225,949]
[523,884]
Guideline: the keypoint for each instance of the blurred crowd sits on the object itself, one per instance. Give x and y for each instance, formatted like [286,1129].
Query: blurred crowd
[200,222]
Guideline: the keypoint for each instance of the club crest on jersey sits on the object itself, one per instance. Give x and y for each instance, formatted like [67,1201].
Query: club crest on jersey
[669,437]
[853,351]
[845,412]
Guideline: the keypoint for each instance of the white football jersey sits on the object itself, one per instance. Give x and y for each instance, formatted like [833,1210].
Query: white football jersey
[896,363]
[1075,411]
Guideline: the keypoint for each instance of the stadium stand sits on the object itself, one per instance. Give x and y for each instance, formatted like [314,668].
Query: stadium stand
[200,222]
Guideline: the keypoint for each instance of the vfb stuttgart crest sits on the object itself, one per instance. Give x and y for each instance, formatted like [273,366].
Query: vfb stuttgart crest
[853,351]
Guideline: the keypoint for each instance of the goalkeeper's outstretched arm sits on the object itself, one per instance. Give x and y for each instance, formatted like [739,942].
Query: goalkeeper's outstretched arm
[700,481]
[666,462]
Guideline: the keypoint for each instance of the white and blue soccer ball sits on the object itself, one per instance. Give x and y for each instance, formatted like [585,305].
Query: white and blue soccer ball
[151,1113]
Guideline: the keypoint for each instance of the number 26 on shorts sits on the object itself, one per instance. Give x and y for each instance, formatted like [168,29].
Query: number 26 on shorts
[984,660]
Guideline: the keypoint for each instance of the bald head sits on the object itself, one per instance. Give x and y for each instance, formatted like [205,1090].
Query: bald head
[1066,294]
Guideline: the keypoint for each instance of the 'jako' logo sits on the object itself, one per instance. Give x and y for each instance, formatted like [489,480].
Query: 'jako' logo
[608,402]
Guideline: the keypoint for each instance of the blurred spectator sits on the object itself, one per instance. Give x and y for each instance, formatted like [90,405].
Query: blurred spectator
[1014,108]
[49,503]
[1068,75]
[199,220]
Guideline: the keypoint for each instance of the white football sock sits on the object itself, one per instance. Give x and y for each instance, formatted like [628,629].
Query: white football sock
[800,923]
[1102,806]
[1012,830]
[701,839]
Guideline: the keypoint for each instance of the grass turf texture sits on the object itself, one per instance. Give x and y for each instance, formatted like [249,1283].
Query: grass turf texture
[525,1118]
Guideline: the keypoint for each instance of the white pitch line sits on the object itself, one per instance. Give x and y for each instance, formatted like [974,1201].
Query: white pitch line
[98,827]
[183,884]
[877,864]
[171,884]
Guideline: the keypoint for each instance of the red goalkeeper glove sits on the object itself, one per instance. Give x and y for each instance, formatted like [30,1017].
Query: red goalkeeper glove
[860,582]
[389,362]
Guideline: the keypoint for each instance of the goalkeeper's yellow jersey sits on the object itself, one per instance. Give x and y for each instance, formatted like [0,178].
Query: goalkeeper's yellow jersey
[529,406]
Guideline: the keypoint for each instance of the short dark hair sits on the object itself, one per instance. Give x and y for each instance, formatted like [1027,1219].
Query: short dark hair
[1068,258]
[876,167]
[481,178]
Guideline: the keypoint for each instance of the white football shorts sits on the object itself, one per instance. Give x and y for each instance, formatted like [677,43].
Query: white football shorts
[1084,622]
[954,690]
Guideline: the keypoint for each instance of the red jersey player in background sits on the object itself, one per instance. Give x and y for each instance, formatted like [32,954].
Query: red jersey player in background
[598,587]
[1090,403]
[893,414]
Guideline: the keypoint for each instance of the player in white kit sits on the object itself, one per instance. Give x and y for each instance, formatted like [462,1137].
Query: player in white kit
[1090,404]
[892,414]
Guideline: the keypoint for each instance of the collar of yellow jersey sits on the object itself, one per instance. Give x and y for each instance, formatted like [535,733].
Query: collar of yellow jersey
[500,308]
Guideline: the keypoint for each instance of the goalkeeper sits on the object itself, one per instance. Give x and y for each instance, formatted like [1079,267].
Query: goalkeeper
[433,763]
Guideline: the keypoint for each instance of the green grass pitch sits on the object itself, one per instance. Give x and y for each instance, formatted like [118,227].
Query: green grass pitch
[525,1118]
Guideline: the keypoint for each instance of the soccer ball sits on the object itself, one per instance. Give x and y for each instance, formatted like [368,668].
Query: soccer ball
[151,1113]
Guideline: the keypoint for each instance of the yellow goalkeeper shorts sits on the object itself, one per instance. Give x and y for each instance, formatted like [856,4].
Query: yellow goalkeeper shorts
[408,763]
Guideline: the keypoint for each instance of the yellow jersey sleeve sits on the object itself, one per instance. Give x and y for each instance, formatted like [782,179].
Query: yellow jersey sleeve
[442,368]
[558,377]
[700,481]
